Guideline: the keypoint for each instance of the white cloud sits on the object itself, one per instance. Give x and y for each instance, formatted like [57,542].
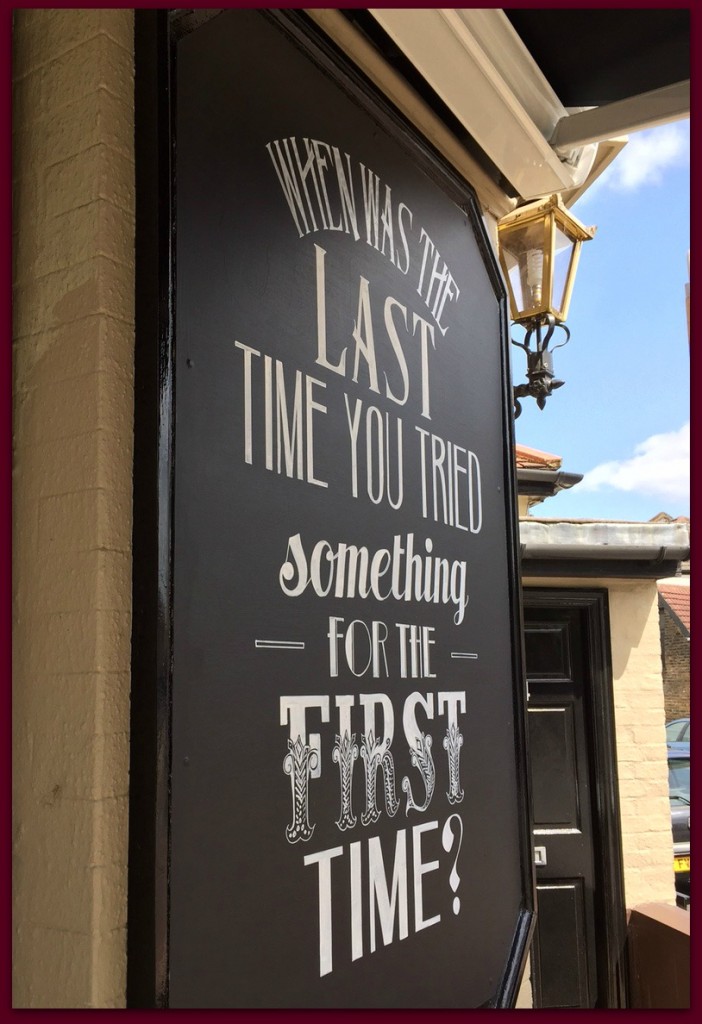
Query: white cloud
[645,158]
[660,466]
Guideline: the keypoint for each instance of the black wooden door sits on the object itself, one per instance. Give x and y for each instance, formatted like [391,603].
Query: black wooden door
[564,968]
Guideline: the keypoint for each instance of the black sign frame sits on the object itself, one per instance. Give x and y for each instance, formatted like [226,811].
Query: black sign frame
[156,36]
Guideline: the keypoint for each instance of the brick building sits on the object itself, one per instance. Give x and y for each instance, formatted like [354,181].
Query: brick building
[674,611]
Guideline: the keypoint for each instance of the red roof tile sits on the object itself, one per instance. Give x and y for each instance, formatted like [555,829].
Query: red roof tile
[663,517]
[677,597]
[532,458]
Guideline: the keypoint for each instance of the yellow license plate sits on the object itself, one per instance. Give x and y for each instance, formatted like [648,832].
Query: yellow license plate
[682,863]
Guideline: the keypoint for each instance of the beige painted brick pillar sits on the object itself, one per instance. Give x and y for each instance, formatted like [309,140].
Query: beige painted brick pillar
[73,235]
[639,708]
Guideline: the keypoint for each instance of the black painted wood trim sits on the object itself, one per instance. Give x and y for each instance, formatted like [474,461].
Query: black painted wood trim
[147,915]
[603,568]
[609,865]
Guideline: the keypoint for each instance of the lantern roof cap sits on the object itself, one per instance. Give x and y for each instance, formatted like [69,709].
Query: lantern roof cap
[541,208]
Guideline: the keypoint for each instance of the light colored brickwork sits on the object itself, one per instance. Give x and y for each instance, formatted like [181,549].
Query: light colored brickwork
[641,751]
[647,841]
[73,235]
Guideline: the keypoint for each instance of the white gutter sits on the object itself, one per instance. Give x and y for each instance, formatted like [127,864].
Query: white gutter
[660,106]
[406,99]
[479,67]
[476,63]
[595,540]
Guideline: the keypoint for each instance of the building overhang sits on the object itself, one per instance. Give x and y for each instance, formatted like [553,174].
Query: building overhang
[590,549]
[532,106]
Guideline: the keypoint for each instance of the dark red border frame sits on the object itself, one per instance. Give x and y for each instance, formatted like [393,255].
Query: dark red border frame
[6,461]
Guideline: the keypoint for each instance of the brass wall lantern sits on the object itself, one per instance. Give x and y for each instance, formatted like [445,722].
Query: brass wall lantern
[539,247]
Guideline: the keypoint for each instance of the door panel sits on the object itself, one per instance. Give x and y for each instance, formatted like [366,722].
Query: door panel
[548,651]
[555,794]
[565,968]
[562,944]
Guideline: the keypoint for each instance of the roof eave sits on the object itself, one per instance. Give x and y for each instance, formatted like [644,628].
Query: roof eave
[607,549]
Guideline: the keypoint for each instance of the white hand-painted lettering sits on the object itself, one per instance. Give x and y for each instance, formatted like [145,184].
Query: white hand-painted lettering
[380,453]
[383,899]
[324,193]
[439,282]
[289,434]
[365,350]
[442,463]
[351,571]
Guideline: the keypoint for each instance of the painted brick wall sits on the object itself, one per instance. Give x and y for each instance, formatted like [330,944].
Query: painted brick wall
[73,240]
[641,751]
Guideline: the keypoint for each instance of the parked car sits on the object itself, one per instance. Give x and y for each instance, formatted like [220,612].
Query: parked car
[679,792]
[678,732]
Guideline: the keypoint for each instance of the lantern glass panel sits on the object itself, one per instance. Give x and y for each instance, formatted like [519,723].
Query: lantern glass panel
[563,255]
[522,252]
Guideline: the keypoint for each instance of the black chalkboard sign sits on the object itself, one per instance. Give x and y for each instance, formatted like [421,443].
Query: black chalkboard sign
[347,810]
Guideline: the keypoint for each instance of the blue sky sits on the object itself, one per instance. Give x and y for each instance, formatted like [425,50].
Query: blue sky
[623,416]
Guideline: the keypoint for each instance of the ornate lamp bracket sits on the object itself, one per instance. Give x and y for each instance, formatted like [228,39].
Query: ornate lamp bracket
[541,381]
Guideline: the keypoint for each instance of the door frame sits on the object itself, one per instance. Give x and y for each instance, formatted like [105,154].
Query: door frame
[610,909]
